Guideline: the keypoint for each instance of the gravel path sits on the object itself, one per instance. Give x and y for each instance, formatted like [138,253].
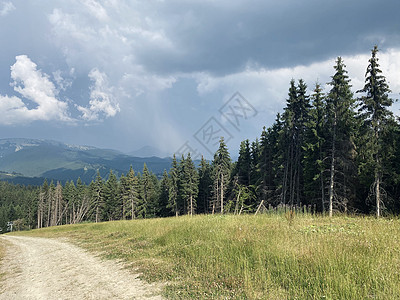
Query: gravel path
[39,268]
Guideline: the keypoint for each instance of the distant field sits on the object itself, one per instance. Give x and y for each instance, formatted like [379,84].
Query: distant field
[254,257]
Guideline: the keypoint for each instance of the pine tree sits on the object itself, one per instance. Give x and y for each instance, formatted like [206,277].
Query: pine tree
[174,187]
[59,208]
[205,186]
[375,113]
[91,192]
[50,203]
[341,125]
[289,139]
[41,204]
[82,205]
[242,177]
[146,207]
[243,166]
[315,145]
[190,185]
[265,182]
[221,172]
[98,194]
[164,195]
[69,194]
[112,205]
[123,192]
[391,166]
[273,144]
[295,118]
[255,154]
[132,192]
[182,203]
[154,205]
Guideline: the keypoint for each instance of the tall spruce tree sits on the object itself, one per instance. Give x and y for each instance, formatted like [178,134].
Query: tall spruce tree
[154,205]
[133,192]
[205,186]
[221,172]
[112,205]
[147,194]
[273,161]
[98,195]
[295,119]
[182,203]
[315,151]
[174,187]
[190,185]
[241,186]
[243,166]
[69,195]
[341,125]
[41,204]
[82,203]
[164,195]
[375,113]
[124,194]
[255,154]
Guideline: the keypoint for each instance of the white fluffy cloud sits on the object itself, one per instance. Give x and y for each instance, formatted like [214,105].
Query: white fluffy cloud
[34,85]
[102,101]
[39,97]
[6,8]
[108,35]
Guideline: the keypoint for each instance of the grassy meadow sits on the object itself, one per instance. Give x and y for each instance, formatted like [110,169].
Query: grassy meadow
[253,257]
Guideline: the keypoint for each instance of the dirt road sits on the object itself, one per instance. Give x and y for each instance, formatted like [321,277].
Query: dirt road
[39,268]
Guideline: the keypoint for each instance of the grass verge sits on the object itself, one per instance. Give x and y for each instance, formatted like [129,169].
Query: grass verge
[253,257]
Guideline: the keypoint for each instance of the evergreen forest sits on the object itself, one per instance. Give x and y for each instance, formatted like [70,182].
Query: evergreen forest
[329,151]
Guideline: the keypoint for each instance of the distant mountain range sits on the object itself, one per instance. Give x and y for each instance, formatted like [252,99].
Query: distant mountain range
[29,161]
[148,151]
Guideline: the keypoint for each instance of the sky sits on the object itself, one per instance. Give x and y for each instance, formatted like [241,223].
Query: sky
[175,75]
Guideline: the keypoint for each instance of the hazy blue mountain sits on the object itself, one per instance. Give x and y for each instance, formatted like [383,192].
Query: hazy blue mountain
[58,161]
[148,151]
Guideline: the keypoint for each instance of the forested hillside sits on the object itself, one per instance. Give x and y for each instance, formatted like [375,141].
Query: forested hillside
[331,151]
[30,160]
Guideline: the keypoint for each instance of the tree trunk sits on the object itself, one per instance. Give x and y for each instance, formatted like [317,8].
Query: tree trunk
[378,196]
[322,193]
[285,179]
[332,179]
[237,203]
[48,209]
[377,178]
[222,193]
[191,205]
[123,209]
[132,209]
[331,186]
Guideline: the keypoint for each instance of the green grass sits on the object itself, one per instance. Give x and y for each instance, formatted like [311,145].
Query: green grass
[254,257]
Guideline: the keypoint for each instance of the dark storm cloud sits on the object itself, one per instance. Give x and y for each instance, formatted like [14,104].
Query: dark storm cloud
[154,71]
[221,38]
